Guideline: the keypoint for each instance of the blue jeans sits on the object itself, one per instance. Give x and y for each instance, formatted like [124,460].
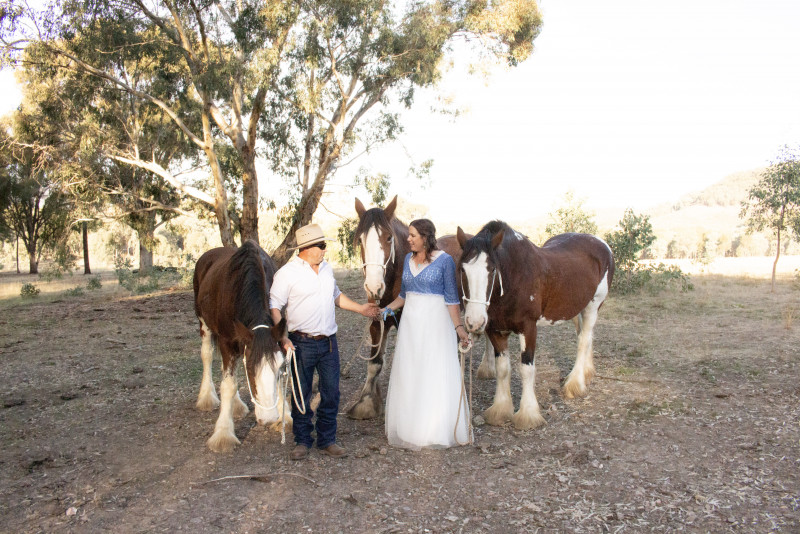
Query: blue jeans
[322,356]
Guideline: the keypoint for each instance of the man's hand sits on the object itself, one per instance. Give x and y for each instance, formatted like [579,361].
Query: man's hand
[371,310]
[287,345]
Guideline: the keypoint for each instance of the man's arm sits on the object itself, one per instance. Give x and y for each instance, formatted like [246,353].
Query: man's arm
[368,309]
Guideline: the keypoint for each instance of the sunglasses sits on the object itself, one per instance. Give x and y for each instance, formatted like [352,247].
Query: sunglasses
[321,246]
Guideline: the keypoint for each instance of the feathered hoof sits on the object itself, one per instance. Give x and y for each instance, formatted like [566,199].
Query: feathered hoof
[527,420]
[573,388]
[364,409]
[207,403]
[222,442]
[240,409]
[277,426]
[498,415]
[485,372]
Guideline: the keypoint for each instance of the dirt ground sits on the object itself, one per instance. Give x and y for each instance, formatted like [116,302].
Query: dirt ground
[693,424]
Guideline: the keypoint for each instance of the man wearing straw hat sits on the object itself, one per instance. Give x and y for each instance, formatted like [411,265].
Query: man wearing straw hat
[308,290]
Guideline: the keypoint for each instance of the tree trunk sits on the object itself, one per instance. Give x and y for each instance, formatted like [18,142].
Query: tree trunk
[221,195]
[147,242]
[18,254]
[34,262]
[85,233]
[775,263]
[305,212]
[249,222]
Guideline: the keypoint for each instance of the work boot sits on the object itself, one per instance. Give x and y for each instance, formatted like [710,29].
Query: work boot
[300,452]
[334,451]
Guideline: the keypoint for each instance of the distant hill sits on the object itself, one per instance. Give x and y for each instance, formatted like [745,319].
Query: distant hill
[707,222]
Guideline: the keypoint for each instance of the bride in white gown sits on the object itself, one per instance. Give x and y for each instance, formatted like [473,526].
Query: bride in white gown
[422,401]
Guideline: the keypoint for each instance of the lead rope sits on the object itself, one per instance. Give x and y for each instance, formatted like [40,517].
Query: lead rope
[284,374]
[462,396]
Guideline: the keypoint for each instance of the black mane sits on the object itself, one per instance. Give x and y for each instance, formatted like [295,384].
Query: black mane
[252,271]
[372,218]
[482,242]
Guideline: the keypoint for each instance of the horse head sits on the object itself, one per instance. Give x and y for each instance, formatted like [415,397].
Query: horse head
[263,357]
[375,238]
[479,274]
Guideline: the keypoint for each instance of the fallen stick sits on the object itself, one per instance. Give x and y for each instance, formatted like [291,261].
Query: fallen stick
[259,478]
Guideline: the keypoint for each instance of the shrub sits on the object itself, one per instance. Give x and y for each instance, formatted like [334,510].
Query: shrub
[29,291]
[94,283]
[74,292]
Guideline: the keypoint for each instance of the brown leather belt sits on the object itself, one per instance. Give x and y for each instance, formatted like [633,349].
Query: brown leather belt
[309,336]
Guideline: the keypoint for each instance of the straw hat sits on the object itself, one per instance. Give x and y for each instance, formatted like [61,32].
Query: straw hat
[309,235]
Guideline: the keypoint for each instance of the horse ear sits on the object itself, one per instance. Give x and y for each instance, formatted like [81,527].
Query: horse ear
[360,209]
[497,239]
[461,237]
[242,333]
[389,210]
[279,330]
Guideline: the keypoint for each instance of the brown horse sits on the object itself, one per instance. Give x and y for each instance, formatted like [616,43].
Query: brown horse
[383,242]
[511,285]
[231,300]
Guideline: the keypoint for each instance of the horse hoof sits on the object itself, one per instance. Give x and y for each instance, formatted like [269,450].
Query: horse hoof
[240,409]
[497,416]
[527,421]
[485,373]
[364,409]
[572,390]
[223,443]
[207,404]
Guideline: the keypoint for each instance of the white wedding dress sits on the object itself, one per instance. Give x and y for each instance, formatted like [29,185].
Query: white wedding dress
[422,401]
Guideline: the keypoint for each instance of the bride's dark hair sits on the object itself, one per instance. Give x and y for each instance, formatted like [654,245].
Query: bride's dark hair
[427,231]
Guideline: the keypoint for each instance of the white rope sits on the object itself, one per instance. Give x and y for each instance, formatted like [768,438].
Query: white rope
[361,345]
[381,265]
[290,356]
[462,396]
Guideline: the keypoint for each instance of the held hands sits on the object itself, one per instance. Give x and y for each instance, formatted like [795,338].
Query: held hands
[371,310]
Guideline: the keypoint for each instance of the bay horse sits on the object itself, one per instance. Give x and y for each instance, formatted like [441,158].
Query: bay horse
[383,243]
[231,300]
[511,285]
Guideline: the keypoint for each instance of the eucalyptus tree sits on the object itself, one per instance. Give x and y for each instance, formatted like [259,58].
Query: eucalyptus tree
[350,61]
[774,202]
[296,80]
[33,205]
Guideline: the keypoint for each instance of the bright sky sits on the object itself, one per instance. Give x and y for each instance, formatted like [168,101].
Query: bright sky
[628,103]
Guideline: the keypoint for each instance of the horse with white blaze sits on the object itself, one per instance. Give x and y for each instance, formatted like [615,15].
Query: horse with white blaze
[383,242]
[231,300]
[511,285]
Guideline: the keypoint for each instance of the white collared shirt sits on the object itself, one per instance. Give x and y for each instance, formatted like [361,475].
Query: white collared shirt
[309,297]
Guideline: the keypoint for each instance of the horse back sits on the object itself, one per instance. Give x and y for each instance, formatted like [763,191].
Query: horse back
[574,266]
[210,260]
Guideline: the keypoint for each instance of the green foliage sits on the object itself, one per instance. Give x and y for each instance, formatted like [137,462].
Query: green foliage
[94,283]
[158,277]
[633,238]
[346,237]
[28,291]
[571,217]
[74,292]
[774,202]
[652,278]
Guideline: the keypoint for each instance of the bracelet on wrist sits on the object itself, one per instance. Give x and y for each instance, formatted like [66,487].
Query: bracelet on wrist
[461,325]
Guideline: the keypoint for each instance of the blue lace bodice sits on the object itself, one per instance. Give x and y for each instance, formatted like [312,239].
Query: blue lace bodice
[438,278]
